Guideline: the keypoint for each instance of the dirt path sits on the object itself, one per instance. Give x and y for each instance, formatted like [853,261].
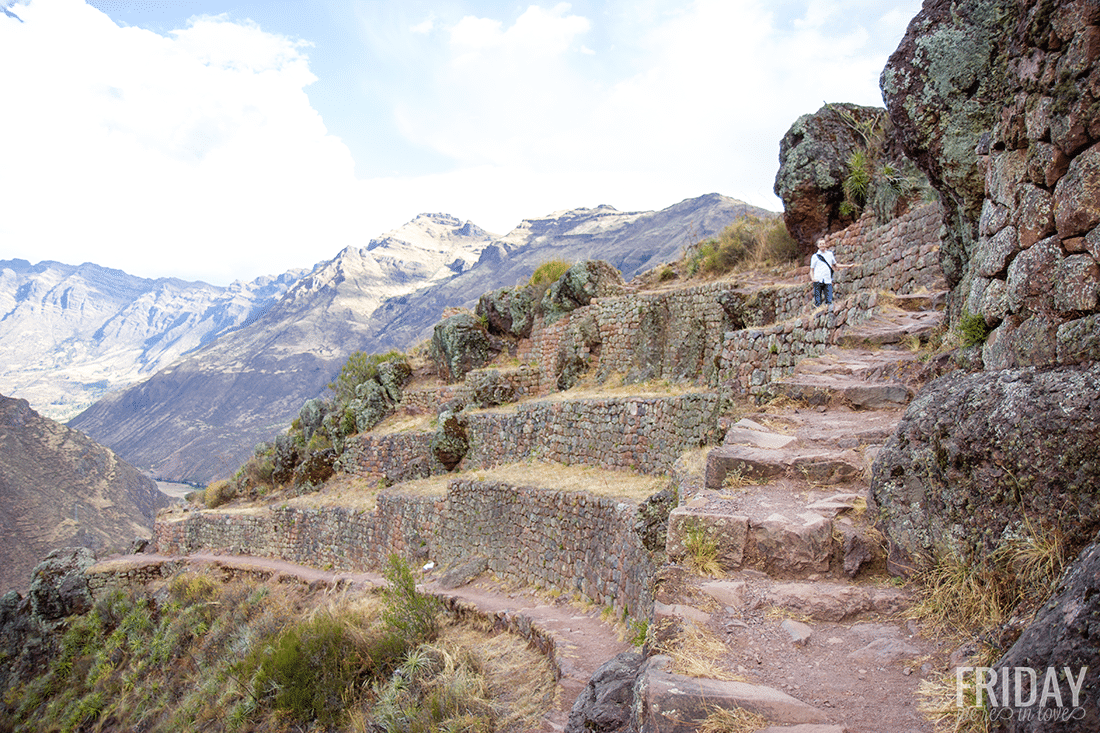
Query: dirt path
[582,641]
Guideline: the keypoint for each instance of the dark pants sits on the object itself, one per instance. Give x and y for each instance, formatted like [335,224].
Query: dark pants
[823,293]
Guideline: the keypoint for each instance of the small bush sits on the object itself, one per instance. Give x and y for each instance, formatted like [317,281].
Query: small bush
[702,551]
[219,492]
[549,272]
[748,242]
[973,329]
[360,367]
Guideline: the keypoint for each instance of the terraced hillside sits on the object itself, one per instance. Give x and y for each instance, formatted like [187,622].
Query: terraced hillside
[721,502]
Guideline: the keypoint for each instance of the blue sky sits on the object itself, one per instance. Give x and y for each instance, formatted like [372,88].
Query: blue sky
[228,140]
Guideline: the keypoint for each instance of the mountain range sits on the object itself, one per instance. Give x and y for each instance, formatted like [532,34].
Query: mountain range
[199,416]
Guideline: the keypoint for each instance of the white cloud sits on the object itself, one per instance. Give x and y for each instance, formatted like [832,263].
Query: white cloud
[196,154]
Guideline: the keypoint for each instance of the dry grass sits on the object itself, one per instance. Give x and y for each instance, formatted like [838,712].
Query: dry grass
[939,701]
[343,490]
[401,423]
[702,552]
[697,652]
[559,477]
[737,720]
[963,597]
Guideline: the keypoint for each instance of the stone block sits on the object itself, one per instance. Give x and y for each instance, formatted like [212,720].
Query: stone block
[803,545]
[728,532]
[672,703]
[1077,195]
[1077,283]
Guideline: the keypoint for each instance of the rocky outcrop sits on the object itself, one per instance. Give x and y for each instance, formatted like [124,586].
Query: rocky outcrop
[997,102]
[578,286]
[813,157]
[978,457]
[1061,641]
[59,489]
[461,344]
[606,705]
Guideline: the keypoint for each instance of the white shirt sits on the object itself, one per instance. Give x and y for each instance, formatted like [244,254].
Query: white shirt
[819,271]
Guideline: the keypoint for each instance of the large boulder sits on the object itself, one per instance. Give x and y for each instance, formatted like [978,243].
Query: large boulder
[460,344]
[1059,642]
[508,311]
[606,705]
[979,457]
[813,162]
[59,587]
[938,87]
[578,286]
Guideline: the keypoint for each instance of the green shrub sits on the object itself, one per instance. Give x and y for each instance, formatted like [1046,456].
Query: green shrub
[750,241]
[360,367]
[857,184]
[973,329]
[549,272]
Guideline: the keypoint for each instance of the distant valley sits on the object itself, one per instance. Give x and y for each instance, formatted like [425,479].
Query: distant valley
[206,384]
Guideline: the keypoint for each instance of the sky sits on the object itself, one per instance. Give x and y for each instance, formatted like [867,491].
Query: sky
[222,140]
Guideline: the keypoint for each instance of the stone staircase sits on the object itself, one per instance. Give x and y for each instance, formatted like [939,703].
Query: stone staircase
[800,598]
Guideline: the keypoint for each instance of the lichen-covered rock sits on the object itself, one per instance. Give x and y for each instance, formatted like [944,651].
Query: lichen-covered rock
[979,455]
[813,162]
[508,311]
[287,454]
[393,375]
[316,468]
[578,286]
[451,442]
[938,87]
[576,349]
[58,587]
[312,416]
[462,343]
[998,102]
[491,388]
[372,405]
[1062,637]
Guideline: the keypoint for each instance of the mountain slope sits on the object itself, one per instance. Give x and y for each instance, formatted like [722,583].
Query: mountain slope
[58,488]
[631,241]
[199,418]
[69,334]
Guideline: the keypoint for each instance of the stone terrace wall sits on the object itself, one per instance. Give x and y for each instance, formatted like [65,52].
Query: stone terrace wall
[901,256]
[569,540]
[645,434]
[753,358]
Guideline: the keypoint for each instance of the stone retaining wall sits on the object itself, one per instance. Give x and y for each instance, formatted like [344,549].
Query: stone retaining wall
[901,256]
[645,434]
[573,541]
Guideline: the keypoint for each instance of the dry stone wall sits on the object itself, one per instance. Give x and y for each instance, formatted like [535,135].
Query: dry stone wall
[636,433]
[573,541]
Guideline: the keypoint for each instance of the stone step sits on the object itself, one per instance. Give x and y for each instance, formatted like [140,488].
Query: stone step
[829,389]
[737,463]
[674,703]
[933,301]
[777,531]
[892,329]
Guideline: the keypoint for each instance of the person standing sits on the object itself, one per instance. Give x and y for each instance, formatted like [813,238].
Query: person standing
[822,263]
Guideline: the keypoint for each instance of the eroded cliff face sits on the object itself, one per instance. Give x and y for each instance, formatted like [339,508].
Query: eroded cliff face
[998,101]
